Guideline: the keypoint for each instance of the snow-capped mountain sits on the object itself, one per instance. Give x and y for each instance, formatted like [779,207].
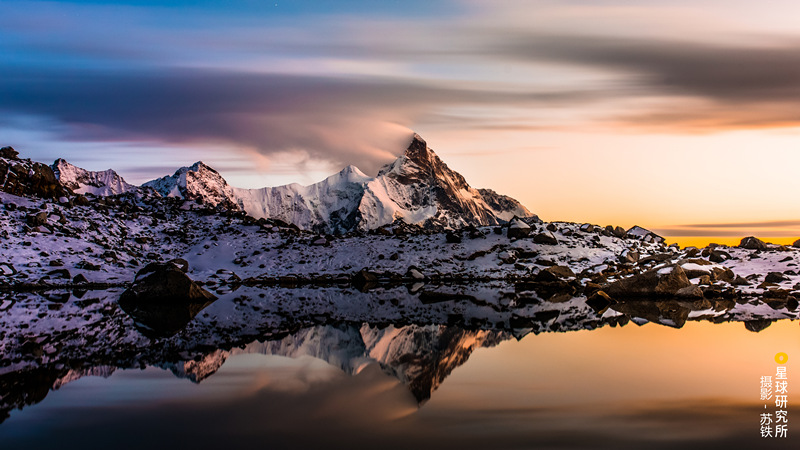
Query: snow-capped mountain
[82,181]
[417,188]
[197,182]
[329,206]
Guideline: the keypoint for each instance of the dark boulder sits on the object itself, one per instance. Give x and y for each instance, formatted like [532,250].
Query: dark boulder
[753,243]
[9,153]
[740,281]
[518,229]
[775,277]
[164,282]
[452,238]
[364,280]
[79,278]
[163,299]
[796,244]
[60,273]
[545,239]
[629,257]
[36,219]
[81,200]
[696,267]
[718,256]
[7,269]
[722,274]
[554,273]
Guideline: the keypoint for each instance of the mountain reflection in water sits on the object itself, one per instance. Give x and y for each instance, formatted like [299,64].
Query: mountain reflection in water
[391,351]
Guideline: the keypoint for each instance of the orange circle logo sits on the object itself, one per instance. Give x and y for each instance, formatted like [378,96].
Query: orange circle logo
[781,358]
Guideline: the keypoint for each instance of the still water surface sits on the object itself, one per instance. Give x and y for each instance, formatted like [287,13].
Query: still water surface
[600,383]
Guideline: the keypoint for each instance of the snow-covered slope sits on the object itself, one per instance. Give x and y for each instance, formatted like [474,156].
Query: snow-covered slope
[82,181]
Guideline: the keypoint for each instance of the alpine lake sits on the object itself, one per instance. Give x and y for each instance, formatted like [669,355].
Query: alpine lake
[471,366]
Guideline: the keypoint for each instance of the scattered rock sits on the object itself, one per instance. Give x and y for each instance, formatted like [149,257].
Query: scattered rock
[79,278]
[775,277]
[36,219]
[518,229]
[7,269]
[696,267]
[545,239]
[629,257]
[414,273]
[722,274]
[718,256]
[81,200]
[508,257]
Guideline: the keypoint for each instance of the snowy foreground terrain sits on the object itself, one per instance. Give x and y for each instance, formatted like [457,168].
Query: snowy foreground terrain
[412,270]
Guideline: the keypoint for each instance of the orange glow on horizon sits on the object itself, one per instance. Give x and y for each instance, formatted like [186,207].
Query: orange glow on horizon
[703,241]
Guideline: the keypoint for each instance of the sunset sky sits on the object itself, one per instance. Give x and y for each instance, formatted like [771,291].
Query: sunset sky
[681,116]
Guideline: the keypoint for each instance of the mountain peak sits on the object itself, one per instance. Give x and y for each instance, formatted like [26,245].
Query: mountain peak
[353,174]
[418,150]
[82,181]
[200,165]
[199,182]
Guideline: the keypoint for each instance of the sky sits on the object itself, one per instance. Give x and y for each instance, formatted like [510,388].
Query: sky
[681,116]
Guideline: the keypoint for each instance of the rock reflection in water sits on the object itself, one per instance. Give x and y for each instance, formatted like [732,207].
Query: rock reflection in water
[162,319]
[417,338]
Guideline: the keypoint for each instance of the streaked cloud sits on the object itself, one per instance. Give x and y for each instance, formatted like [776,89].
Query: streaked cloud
[324,84]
